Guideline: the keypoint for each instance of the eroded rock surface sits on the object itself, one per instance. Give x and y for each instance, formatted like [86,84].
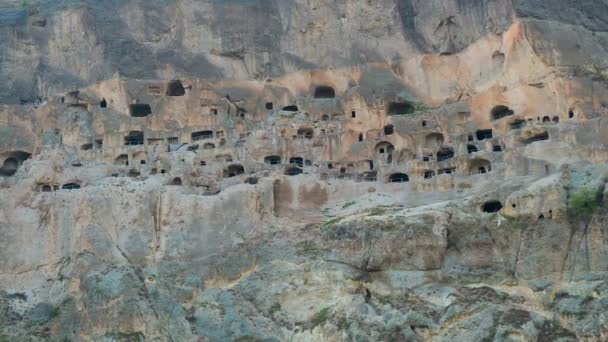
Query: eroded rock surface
[303,170]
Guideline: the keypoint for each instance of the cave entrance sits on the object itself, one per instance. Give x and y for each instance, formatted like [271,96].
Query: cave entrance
[307,133]
[71,186]
[134,138]
[491,207]
[103,103]
[484,134]
[293,171]
[398,178]
[202,135]
[297,161]
[400,108]
[445,153]
[291,108]
[325,92]
[140,110]
[234,170]
[175,88]
[500,112]
[12,163]
[388,130]
[272,160]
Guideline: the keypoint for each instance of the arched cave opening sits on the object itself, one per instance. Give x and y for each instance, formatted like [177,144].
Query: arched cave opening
[291,108]
[71,186]
[398,178]
[500,112]
[234,170]
[491,207]
[445,153]
[103,103]
[324,92]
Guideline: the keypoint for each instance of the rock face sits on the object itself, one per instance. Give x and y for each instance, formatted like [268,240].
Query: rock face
[298,170]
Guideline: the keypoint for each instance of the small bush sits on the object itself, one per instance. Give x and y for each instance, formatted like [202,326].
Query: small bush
[583,204]
[320,317]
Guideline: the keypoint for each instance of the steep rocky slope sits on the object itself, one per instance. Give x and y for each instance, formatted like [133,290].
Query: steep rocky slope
[303,170]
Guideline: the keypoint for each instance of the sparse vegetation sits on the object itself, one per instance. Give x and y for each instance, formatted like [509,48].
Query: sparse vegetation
[376,211]
[333,221]
[320,317]
[584,203]
[343,323]
[348,204]
[276,307]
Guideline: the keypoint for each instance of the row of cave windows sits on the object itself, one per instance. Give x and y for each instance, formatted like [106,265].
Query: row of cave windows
[501,111]
[51,188]
[495,206]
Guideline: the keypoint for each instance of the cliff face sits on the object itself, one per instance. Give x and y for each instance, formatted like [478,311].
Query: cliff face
[303,170]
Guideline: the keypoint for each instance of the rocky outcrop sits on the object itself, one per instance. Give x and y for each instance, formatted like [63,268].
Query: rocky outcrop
[303,171]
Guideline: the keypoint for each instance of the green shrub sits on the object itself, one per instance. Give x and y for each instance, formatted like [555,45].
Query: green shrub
[583,204]
[320,317]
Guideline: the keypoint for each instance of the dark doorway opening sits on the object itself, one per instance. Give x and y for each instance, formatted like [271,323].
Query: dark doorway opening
[399,178]
[400,108]
[491,207]
[140,110]
[324,92]
[175,88]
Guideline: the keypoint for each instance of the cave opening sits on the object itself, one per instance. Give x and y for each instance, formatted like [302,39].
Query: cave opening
[297,161]
[398,178]
[134,138]
[491,207]
[400,108]
[388,130]
[175,88]
[234,170]
[291,108]
[500,112]
[325,92]
[445,153]
[484,134]
[140,110]
[71,186]
[272,160]
[293,171]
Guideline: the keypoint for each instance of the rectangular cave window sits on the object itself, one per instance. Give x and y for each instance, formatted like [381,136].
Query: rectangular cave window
[269,106]
[202,135]
[140,110]
[154,90]
[219,134]
[134,138]
[484,134]
[213,111]
[203,163]
[353,114]
[173,141]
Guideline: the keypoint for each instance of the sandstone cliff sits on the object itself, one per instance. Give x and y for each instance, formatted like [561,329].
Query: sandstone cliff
[303,170]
